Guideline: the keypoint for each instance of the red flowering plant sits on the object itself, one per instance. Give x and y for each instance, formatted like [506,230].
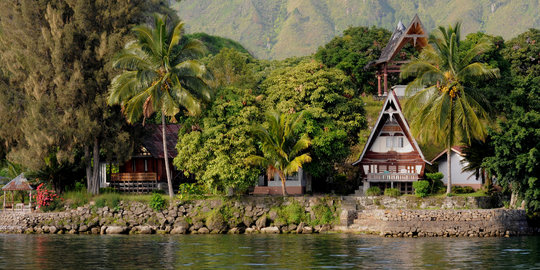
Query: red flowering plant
[46,199]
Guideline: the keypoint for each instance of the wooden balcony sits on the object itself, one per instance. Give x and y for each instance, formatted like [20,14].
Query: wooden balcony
[128,177]
[134,182]
[392,177]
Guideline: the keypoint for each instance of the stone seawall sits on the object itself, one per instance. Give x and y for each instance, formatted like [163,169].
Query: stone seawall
[472,223]
[315,214]
[244,215]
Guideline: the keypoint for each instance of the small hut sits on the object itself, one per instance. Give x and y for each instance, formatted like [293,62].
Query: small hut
[19,183]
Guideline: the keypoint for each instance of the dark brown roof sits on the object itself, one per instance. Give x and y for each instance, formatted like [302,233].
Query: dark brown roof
[153,140]
[414,33]
[18,183]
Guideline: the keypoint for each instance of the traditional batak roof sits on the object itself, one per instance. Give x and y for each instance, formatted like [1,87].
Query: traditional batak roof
[402,35]
[388,107]
[457,149]
[18,183]
[153,141]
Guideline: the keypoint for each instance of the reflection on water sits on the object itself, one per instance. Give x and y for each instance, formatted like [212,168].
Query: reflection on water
[264,252]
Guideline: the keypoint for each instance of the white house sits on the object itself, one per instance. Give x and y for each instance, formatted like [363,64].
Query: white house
[459,178]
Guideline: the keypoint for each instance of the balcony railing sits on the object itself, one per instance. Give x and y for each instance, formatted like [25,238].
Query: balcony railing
[392,177]
[134,177]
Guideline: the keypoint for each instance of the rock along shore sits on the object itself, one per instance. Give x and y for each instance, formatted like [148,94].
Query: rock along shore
[271,215]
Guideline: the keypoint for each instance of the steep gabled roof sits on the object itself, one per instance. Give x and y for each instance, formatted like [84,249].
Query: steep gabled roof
[390,99]
[153,140]
[414,33]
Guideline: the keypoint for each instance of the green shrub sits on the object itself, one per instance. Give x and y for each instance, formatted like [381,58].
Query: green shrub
[421,188]
[324,213]
[294,213]
[373,191]
[157,202]
[392,192]
[462,190]
[436,185]
[188,191]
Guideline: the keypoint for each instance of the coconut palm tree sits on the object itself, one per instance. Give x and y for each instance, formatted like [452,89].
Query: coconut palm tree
[161,74]
[444,107]
[281,147]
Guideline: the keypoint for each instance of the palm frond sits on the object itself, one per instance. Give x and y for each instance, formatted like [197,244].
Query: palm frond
[303,143]
[296,164]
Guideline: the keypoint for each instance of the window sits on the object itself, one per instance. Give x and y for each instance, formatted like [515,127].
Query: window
[133,165]
[399,142]
[145,165]
[389,142]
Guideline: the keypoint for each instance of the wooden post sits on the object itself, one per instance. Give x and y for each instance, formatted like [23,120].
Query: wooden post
[30,203]
[379,85]
[385,82]
[4,206]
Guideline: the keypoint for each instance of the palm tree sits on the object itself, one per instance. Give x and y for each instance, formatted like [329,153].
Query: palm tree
[281,147]
[445,108]
[160,74]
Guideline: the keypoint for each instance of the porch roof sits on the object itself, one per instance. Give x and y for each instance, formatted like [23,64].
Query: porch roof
[18,183]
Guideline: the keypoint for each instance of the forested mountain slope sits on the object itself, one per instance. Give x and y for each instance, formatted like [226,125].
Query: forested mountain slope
[276,29]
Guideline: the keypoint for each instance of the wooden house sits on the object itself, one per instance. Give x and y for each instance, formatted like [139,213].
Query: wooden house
[145,170]
[391,157]
[459,177]
[390,60]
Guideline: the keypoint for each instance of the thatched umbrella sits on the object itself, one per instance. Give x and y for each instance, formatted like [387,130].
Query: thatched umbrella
[19,183]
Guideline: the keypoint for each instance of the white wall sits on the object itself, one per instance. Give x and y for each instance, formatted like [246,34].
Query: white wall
[458,177]
[379,146]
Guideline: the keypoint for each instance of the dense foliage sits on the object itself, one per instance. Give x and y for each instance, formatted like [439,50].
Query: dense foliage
[215,44]
[56,61]
[213,147]
[517,140]
[334,113]
[353,51]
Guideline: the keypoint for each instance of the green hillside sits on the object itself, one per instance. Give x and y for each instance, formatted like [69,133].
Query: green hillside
[276,29]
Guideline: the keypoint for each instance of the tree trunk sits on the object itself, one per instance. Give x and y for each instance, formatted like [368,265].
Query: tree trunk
[449,178]
[88,160]
[95,173]
[166,157]
[283,180]
[449,145]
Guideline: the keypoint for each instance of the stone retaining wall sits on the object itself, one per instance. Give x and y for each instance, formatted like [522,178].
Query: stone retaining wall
[410,223]
[245,215]
[263,215]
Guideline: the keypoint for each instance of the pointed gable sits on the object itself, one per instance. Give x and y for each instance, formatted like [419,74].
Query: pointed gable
[414,33]
[391,119]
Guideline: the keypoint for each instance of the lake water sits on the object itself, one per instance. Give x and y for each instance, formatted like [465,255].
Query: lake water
[332,251]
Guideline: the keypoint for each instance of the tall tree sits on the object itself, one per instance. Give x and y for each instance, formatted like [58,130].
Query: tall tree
[160,74]
[516,160]
[280,146]
[56,55]
[445,108]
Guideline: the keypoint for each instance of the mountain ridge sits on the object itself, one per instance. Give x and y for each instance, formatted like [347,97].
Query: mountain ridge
[277,29]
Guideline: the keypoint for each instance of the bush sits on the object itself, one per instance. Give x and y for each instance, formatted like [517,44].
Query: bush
[47,199]
[373,191]
[294,213]
[462,190]
[188,191]
[324,214]
[157,202]
[392,192]
[436,185]
[421,188]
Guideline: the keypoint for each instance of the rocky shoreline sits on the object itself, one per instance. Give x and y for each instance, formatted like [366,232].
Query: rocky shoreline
[270,215]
